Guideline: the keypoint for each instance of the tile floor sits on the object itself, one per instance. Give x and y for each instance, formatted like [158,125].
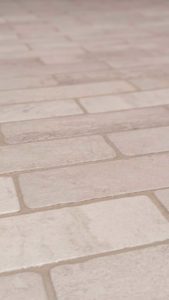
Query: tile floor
[84,150]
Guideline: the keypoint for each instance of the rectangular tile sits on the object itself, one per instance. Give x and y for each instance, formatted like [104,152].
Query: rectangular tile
[34,130]
[126,101]
[53,153]
[144,141]
[26,82]
[72,91]
[86,77]
[95,180]
[105,104]
[129,276]
[148,98]
[53,236]
[8,197]
[148,83]
[22,286]
[39,110]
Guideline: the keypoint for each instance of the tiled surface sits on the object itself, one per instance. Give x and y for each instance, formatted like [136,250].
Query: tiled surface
[53,153]
[96,180]
[106,226]
[8,197]
[144,141]
[22,286]
[113,276]
[84,150]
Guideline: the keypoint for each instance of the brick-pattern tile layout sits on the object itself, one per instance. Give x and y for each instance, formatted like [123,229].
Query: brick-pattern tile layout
[8,197]
[95,180]
[26,240]
[84,150]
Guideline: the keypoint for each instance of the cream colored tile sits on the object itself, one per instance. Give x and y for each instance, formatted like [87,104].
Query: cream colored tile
[53,153]
[22,286]
[137,275]
[8,198]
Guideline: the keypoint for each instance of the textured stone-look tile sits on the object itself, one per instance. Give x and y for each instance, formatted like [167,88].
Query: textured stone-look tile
[22,286]
[148,98]
[151,82]
[26,82]
[163,196]
[104,104]
[20,132]
[144,141]
[97,180]
[29,111]
[138,275]
[126,101]
[53,236]
[86,77]
[53,153]
[8,198]
[59,92]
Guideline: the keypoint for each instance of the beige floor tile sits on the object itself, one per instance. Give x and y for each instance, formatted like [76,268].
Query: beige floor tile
[97,180]
[53,236]
[137,142]
[26,82]
[151,83]
[105,104]
[136,275]
[8,198]
[53,153]
[22,286]
[29,111]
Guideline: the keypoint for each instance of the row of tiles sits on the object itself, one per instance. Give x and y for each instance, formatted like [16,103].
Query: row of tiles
[96,181]
[67,107]
[98,278]
[84,124]
[148,82]
[54,236]
[63,152]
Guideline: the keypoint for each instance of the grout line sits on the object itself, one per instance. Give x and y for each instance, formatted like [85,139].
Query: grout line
[47,282]
[119,154]
[83,259]
[2,138]
[137,88]
[23,207]
[84,110]
[159,205]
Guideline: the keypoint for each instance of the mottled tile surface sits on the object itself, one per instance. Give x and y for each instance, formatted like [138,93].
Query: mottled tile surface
[84,150]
